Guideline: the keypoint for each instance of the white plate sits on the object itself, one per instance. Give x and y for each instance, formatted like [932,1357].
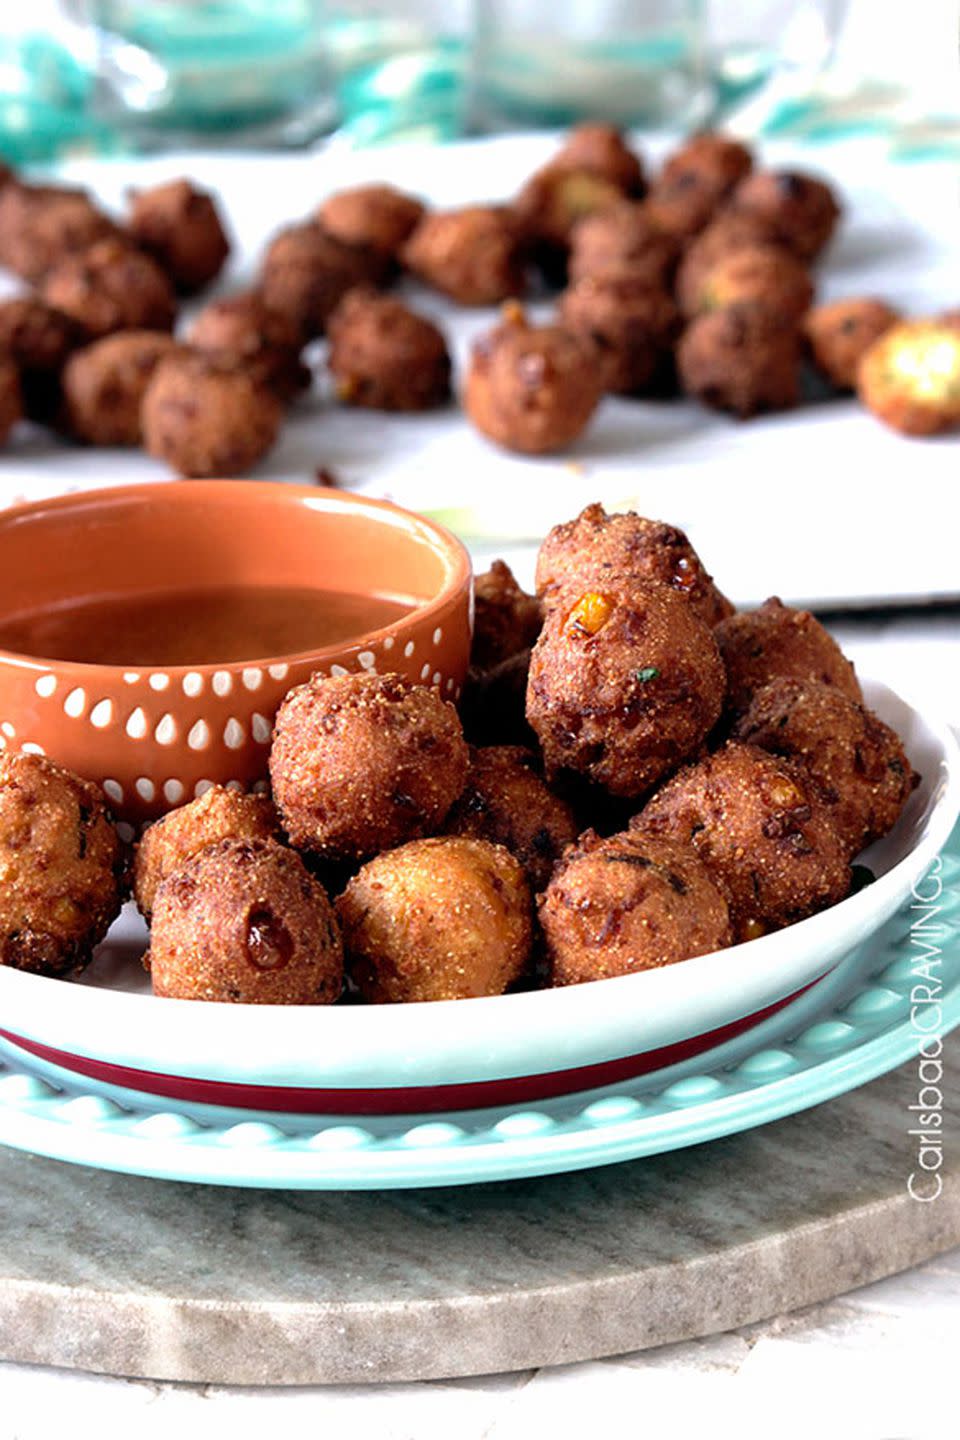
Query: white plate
[467,1042]
[806,504]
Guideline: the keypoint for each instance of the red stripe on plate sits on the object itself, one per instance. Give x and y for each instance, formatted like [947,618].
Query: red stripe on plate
[395,1100]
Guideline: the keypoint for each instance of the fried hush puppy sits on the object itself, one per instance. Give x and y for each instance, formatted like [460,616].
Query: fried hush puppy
[723,236]
[218,814]
[11,398]
[745,359]
[41,224]
[765,274]
[361,763]
[243,330]
[622,237]
[910,377]
[802,210]
[242,921]
[601,150]
[506,619]
[104,385]
[111,286]
[695,182]
[777,642]
[632,323]
[839,334]
[384,356]
[374,217]
[207,417]
[506,802]
[38,340]
[627,903]
[437,919]
[181,228]
[625,684]
[533,388]
[763,829]
[305,274]
[549,208]
[597,548]
[859,761]
[61,866]
[717,159]
[473,255]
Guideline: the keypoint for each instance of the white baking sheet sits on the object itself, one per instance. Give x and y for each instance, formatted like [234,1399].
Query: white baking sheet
[823,505]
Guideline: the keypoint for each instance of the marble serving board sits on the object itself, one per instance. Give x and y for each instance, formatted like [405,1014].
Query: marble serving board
[129,1276]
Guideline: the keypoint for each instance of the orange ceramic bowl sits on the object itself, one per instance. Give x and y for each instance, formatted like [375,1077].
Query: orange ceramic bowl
[154,738]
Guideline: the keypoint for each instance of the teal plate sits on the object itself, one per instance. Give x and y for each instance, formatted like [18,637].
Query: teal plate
[870,1014]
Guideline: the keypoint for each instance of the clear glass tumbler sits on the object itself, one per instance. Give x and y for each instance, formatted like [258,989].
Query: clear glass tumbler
[554,62]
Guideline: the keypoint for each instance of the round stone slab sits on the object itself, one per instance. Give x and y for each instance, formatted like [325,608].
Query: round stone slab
[140,1277]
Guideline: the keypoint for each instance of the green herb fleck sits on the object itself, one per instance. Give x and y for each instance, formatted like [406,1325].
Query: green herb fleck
[860,877]
[649,672]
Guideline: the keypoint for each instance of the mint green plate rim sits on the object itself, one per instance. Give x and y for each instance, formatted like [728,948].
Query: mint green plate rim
[852,1027]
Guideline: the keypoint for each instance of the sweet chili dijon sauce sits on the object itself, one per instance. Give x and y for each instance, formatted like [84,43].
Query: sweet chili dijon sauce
[197,627]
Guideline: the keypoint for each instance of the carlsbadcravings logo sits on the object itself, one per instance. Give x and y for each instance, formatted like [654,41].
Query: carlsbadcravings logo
[925,1181]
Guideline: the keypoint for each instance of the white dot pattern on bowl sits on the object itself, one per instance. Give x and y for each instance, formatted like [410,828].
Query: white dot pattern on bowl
[30,747]
[408,649]
[146,788]
[193,684]
[45,686]
[131,677]
[199,736]
[252,678]
[201,788]
[75,703]
[279,672]
[521,1123]
[8,730]
[233,734]
[136,724]
[388,642]
[425,671]
[338,671]
[437,635]
[366,660]
[125,831]
[434,1132]
[159,680]
[102,714]
[173,791]
[237,786]
[222,682]
[261,728]
[113,791]
[166,731]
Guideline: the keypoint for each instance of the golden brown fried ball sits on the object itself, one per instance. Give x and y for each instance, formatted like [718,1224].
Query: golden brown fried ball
[803,210]
[506,801]
[11,397]
[683,204]
[718,159]
[858,760]
[243,922]
[632,323]
[360,763]
[41,224]
[627,903]
[745,359]
[378,217]
[243,330]
[723,236]
[104,385]
[596,549]
[439,919]
[622,237]
[763,829]
[472,255]
[626,682]
[600,149]
[61,866]
[306,273]
[384,356]
[550,206]
[38,340]
[111,286]
[777,642]
[533,388]
[218,814]
[765,274]
[181,228]
[208,417]
[910,377]
[839,334]
[506,619]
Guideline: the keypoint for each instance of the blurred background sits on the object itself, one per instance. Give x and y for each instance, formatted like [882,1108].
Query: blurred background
[125,76]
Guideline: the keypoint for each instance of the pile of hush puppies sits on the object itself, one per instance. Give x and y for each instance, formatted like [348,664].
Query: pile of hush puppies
[698,282]
[636,775]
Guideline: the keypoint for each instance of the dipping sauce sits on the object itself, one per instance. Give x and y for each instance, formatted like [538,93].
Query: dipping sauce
[198,626]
